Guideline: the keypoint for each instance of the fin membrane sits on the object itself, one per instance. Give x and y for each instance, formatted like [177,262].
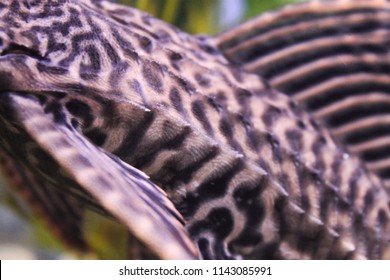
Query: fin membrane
[333,57]
[102,181]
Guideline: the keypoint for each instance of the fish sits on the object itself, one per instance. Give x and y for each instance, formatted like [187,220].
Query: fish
[266,141]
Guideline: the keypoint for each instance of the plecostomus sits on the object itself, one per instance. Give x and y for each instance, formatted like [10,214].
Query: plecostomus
[188,140]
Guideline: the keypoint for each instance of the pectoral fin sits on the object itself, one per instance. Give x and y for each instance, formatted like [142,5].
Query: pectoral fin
[119,189]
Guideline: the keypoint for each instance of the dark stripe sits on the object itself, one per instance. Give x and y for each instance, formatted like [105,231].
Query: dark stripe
[358,112]
[111,52]
[198,110]
[51,70]
[336,94]
[184,174]
[144,158]
[177,102]
[316,77]
[360,136]
[214,186]
[80,110]
[153,75]
[135,136]
[270,46]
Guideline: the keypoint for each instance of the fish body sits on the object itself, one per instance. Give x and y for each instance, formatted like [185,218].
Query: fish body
[173,135]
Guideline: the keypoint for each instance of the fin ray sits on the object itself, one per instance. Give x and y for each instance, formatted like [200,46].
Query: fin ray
[123,191]
[333,58]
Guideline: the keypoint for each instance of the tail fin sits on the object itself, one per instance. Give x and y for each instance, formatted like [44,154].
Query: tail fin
[333,57]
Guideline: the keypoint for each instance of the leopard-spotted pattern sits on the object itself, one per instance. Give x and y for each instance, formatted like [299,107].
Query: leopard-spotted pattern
[252,174]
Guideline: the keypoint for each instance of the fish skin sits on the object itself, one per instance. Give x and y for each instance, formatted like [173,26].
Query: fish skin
[107,94]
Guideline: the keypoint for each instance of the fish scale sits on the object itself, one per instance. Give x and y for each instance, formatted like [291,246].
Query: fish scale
[196,156]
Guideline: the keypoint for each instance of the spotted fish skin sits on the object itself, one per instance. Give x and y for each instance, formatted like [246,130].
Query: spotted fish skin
[251,173]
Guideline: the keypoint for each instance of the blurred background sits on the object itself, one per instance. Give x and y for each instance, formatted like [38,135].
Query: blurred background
[206,16]
[25,236]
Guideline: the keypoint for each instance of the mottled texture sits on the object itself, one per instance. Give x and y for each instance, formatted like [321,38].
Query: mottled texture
[92,96]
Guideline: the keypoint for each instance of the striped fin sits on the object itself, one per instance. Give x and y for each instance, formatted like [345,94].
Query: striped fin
[123,191]
[333,57]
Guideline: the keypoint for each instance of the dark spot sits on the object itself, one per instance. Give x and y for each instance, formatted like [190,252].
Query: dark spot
[358,222]
[226,127]
[88,76]
[56,110]
[174,97]
[97,137]
[213,101]
[208,48]
[243,96]
[111,52]
[202,80]
[147,19]
[246,196]
[368,200]
[197,108]
[145,44]
[247,238]
[204,248]
[91,69]
[318,144]
[275,145]
[343,206]
[185,85]
[283,179]
[14,48]
[189,204]
[218,181]
[353,189]
[305,202]
[221,222]
[309,240]
[271,115]
[383,219]
[51,70]
[294,137]
[280,216]
[175,56]
[94,58]
[315,124]
[133,55]
[153,75]
[214,186]
[79,109]
[301,124]
[327,201]
[7,81]
[135,136]
[42,98]
[269,251]
[253,140]
[163,36]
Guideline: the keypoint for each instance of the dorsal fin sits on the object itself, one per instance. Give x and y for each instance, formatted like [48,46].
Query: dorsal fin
[333,57]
